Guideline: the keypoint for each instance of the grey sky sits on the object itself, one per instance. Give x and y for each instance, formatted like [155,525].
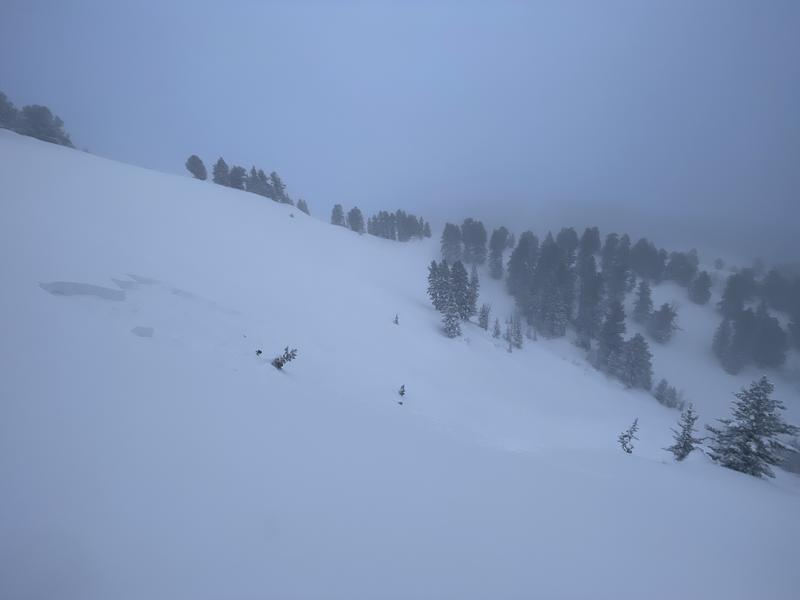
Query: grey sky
[534,113]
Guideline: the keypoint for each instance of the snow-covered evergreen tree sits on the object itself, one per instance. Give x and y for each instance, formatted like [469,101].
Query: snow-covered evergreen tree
[638,368]
[483,316]
[722,339]
[496,331]
[497,245]
[626,438]
[438,285]
[236,177]
[662,323]
[590,296]
[337,215]
[459,290]
[473,291]
[473,235]
[451,243]
[302,206]
[770,343]
[667,395]
[279,193]
[610,343]
[750,441]
[700,288]
[516,331]
[521,265]
[589,243]
[643,307]
[355,220]
[685,442]
[451,318]
[220,172]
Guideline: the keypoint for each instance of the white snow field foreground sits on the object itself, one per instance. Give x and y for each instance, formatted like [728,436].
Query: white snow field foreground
[147,453]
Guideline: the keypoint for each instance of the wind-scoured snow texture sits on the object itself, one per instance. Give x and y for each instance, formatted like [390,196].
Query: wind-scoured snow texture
[182,465]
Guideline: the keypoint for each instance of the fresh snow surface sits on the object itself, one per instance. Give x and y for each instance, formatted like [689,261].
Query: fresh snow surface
[146,452]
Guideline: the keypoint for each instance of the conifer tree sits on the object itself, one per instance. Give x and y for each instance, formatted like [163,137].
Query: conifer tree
[682,267]
[722,339]
[638,367]
[252,183]
[37,121]
[739,288]
[473,235]
[662,323]
[700,288]
[337,215]
[355,220]
[8,113]
[749,441]
[302,206]
[521,265]
[496,332]
[740,350]
[426,230]
[516,335]
[451,319]
[667,395]
[548,303]
[451,243]
[607,254]
[645,260]
[459,290]
[777,291]
[616,268]
[589,243]
[590,296]
[643,308]
[279,189]
[610,343]
[236,177]
[567,241]
[685,442]
[794,311]
[483,316]
[473,291]
[626,438]
[220,172]
[196,167]
[770,343]
[497,245]
[438,286]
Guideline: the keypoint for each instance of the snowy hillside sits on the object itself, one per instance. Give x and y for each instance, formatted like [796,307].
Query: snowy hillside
[147,452]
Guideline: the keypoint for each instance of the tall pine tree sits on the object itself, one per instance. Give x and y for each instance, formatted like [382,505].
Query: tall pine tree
[610,343]
[643,308]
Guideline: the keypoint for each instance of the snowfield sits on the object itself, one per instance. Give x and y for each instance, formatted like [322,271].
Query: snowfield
[146,452]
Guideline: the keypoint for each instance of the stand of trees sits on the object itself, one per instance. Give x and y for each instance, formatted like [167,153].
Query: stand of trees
[33,120]
[454,294]
[466,243]
[746,336]
[255,180]
[399,225]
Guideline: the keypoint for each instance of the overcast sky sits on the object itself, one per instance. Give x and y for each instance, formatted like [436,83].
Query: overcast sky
[646,114]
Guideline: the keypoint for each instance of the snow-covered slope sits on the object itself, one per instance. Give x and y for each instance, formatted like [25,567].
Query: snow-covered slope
[146,452]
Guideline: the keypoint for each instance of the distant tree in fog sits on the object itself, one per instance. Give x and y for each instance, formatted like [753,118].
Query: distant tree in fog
[196,167]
